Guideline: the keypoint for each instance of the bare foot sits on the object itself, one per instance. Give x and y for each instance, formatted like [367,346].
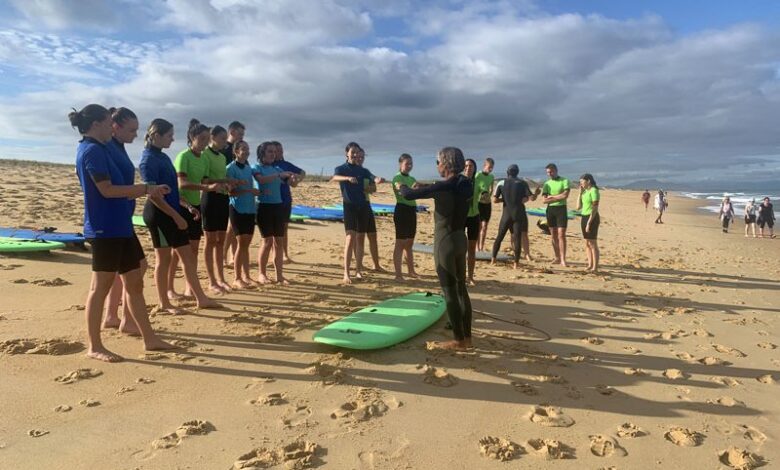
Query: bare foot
[359,274]
[225,286]
[103,354]
[283,282]
[563,263]
[413,275]
[287,259]
[156,344]
[240,284]
[399,278]
[111,322]
[448,345]
[471,282]
[347,280]
[129,327]
[379,269]
[216,289]
[556,261]
[467,342]
[173,295]
[172,309]
[528,258]
[208,303]
[492,261]
[263,279]
[515,265]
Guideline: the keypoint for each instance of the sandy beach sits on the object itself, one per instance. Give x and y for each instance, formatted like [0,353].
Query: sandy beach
[666,359]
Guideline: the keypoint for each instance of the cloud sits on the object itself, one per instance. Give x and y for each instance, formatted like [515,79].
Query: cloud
[496,78]
[97,15]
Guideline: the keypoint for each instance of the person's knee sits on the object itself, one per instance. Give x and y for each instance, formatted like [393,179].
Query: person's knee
[133,282]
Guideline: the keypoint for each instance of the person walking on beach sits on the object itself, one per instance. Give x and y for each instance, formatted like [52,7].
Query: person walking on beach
[646,199]
[555,191]
[514,193]
[766,217]
[659,204]
[750,217]
[270,210]
[588,205]
[451,195]
[285,165]
[164,218]
[472,222]
[726,213]
[124,126]
[353,179]
[484,187]
[242,212]
[404,218]
[109,230]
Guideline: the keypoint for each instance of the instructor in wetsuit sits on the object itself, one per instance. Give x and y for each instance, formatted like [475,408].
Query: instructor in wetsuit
[452,197]
[515,193]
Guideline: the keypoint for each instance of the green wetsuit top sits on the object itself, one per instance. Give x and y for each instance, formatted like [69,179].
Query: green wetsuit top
[474,204]
[406,180]
[196,168]
[483,186]
[554,187]
[589,196]
[217,165]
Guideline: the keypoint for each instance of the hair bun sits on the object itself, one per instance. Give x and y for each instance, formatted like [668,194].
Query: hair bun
[194,122]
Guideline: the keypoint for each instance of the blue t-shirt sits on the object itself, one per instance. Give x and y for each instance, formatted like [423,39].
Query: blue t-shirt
[122,160]
[284,165]
[244,203]
[353,193]
[270,192]
[103,217]
[156,168]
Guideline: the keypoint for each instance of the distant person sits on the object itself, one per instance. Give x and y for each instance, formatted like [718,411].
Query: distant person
[660,204]
[750,217]
[353,179]
[285,165]
[726,213]
[472,223]
[451,195]
[766,217]
[588,205]
[108,228]
[646,199]
[404,218]
[236,132]
[484,187]
[514,193]
[555,191]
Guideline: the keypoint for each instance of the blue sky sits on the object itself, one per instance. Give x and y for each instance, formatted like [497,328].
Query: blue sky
[626,90]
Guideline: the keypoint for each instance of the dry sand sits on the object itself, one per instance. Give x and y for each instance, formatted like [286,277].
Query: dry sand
[667,359]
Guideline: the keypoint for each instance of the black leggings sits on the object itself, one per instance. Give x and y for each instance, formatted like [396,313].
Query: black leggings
[517,227]
[450,259]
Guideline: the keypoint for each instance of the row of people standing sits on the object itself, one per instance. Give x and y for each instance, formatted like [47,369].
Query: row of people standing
[762,215]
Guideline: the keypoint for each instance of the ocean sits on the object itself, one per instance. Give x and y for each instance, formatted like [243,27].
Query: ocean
[710,202]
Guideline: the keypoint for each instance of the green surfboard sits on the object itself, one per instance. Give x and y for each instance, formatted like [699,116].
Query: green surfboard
[19,245]
[384,324]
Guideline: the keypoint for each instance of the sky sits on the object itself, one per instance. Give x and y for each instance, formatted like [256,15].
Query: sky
[684,92]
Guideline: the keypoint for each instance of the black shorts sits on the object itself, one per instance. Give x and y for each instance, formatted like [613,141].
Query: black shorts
[594,227]
[762,222]
[270,219]
[214,213]
[557,216]
[750,219]
[162,228]
[243,224]
[472,228]
[116,255]
[356,218]
[287,211]
[485,209]
[405,219]
[194,229]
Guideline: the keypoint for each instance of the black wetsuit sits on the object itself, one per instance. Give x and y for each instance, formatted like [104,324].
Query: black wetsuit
[452,199]
[514,191]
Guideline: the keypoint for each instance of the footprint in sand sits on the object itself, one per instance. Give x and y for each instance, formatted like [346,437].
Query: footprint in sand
[553,379]
[51,347]
[712,361]
[605,446]
[497,448]
[675,374]
[728,350]
[144,380]
[438,377]
[297,416]
[728,381]
[632,350]
[62,408]
[741,459]
[753,434]
[326,373]
[635,371]
[684,437]
[766,379]
[56,282]
[605,390]
[702,333]
[190,428]
[89,402]
[78,374]
[684,356]
[651,336]
[726,401]
[592,340]
[630,430]
[526,388]
[296,455]
[767,345]
[367,403]
[552,416]
[549,449]
[37,432]
[272,399]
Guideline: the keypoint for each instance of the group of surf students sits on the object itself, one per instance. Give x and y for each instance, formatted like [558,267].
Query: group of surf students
[211,187]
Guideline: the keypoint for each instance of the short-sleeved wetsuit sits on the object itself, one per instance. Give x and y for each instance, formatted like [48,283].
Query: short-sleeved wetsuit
[483,188]
[589,197]
[284,165]
[242,206]
[157,168]
[270,210]
[196,167]
[214,204]
[405,212]
[557,213]
[356,207]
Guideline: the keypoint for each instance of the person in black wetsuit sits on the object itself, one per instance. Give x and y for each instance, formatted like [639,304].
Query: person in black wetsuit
[515,192]
[452,197]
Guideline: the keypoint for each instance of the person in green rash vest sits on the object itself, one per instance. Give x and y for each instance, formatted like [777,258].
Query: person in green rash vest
[472,223]
[483,188]
[192,170]
[588,205]
[555,191]
[405,218]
